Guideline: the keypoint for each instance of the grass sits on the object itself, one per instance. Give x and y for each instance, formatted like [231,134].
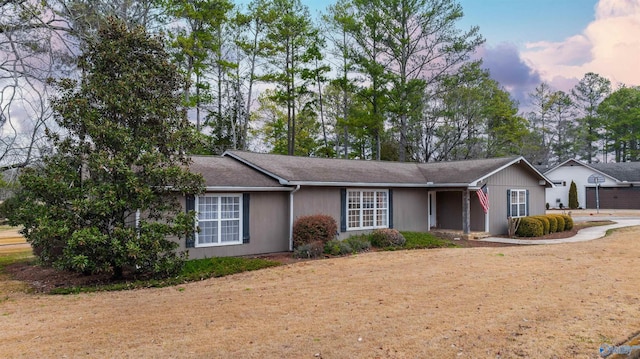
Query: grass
[419,240]
[7,258]
[193,270]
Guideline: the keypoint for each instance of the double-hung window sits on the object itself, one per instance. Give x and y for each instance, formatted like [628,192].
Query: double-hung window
[219,220]
[518,202]
[367,209]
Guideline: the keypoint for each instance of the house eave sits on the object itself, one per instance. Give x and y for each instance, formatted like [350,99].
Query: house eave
[355,184]
[246,189]
[376,184]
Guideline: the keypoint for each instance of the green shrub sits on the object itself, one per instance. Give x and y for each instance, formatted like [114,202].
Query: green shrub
[553,223]
[561,223]
[546,225]
[530,227]
[387,237]
[336,247]
[568,222]
[314,228]
[359,243]
[310,250]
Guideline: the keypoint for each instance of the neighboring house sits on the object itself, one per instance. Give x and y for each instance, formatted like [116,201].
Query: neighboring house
[618,184]
[252,200]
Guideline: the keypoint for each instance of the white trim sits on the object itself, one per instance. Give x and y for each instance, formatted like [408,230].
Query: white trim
[518,190]
[361,208]
[219,220]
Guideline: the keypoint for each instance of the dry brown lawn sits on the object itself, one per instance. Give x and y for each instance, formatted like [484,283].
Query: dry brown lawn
[548,301]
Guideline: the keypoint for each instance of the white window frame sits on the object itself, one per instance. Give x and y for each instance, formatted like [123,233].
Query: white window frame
[518,203]
[219,220]
[360,211]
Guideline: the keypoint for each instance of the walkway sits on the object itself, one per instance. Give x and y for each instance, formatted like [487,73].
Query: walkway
[585,234]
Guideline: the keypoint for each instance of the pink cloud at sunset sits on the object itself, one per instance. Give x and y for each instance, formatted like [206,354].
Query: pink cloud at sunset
[609,46]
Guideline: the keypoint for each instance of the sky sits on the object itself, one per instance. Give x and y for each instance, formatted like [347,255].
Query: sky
[555,41]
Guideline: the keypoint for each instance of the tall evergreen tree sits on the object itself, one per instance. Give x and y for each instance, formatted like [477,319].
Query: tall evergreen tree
[587,95]
[621,111]
[290,33]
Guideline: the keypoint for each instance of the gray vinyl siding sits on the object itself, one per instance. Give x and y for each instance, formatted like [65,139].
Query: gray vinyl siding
[268,229]
[309,201]
[513,177]
[410,209]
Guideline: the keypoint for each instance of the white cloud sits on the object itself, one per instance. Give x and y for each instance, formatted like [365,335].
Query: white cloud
[609,46]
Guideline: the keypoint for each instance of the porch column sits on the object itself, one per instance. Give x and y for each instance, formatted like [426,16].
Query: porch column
[466,212]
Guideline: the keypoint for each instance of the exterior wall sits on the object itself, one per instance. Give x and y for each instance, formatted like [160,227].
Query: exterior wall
[268,228]
[309,201]
[409,207]
[567,173]
[513,177]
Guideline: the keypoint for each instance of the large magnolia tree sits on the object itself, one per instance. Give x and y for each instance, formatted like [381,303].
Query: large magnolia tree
[105,201]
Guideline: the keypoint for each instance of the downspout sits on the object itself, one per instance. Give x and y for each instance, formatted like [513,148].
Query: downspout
[291,217]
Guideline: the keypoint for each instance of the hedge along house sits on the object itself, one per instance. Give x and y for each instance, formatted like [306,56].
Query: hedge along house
[618,184]
[252,200]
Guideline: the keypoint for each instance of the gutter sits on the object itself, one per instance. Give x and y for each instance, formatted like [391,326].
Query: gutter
[291,217]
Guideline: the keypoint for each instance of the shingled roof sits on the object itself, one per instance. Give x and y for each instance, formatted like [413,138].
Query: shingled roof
[292,170]
[464,171]
[623,171]
[297,170]
[223,172]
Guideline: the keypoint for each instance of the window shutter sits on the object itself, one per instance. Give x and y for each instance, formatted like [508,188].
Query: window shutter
[508,203]
[527,204]
[190,205]
[245,218]
[390,208]
[343,209]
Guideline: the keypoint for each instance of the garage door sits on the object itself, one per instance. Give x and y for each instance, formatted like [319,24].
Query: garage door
[614,197]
